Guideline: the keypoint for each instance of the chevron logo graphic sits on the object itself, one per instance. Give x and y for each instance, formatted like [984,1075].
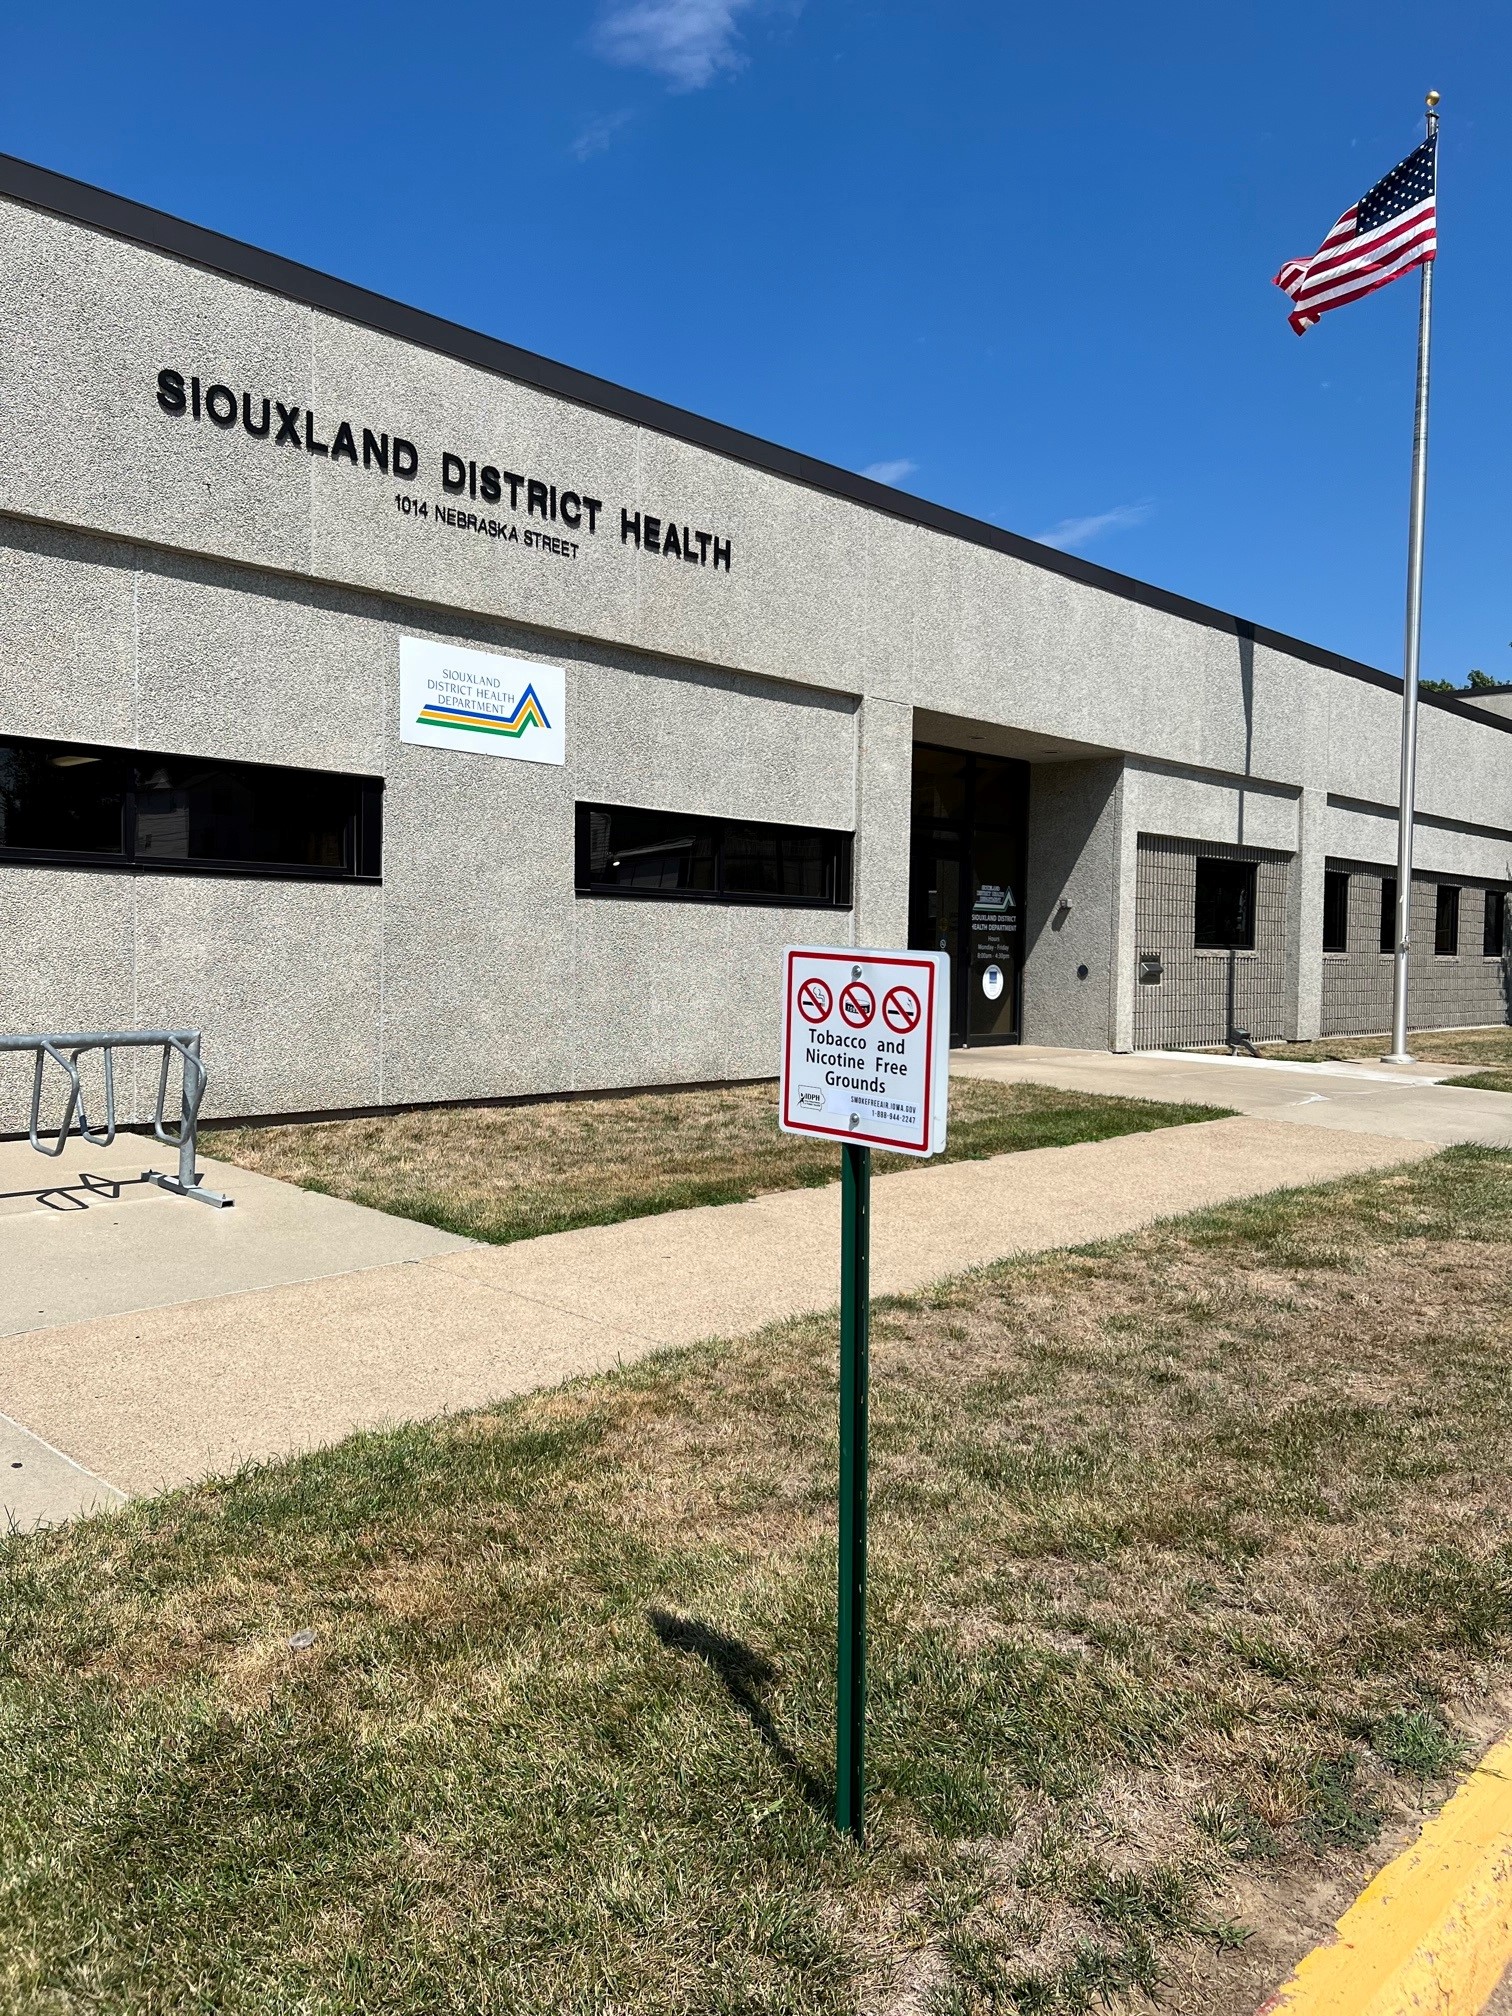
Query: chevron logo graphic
[527,712]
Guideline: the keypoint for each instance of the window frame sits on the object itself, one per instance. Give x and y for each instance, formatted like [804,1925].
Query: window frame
[1336,892]
[715,826]
[1446,911]
[363,840]
[1248,868]
[1494,935]
[1388,916]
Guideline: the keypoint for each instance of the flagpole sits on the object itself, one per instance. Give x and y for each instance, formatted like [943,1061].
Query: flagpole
[1407,799]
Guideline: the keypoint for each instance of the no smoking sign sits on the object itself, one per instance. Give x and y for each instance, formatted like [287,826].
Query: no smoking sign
[865,1047]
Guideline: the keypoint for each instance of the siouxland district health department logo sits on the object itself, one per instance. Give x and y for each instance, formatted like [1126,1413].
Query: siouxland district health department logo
[481,719]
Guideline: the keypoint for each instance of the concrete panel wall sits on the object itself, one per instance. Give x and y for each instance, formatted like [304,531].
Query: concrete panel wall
[1068,925]
[168,582]
[475,969]
[821,591]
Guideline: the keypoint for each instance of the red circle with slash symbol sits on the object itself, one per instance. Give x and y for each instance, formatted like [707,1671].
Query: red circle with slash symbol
[901,1010]
[858,1004]
[815,1001]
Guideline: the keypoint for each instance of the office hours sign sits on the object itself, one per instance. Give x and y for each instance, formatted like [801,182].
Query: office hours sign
[865,1047]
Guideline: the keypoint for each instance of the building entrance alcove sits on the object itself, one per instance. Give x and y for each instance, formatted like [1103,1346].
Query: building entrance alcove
[968,843]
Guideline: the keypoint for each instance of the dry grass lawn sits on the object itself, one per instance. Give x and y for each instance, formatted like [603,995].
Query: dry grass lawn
[512,1172]
[1485,1047]
[1192,1587]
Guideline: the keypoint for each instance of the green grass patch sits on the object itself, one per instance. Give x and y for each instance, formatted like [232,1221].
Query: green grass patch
[1484,1081]
[512,1172]
[1191,1574]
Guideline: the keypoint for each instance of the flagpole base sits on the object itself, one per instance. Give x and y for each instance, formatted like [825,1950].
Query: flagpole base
[1399,1057]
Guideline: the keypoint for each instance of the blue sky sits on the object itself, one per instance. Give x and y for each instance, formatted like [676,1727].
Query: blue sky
[1017,260]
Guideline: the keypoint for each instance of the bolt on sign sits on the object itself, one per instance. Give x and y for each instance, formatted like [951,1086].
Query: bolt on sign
[865,1047]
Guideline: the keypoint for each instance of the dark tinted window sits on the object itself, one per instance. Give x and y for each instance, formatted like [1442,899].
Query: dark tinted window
[1495,935]
[1388,913]
[1335,911]
[1446,922]
[1225,919]
[112,807]
[941,779]
[57,800]
[626,850]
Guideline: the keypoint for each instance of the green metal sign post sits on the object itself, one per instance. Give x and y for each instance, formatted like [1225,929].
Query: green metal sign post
[865,1062]
[855,1327]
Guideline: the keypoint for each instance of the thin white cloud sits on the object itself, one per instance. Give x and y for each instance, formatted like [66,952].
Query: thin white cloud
[599,135]
[1074,532]
[689,42]
[890,472]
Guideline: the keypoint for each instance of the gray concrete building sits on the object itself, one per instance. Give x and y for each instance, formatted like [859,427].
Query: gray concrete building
[425,720]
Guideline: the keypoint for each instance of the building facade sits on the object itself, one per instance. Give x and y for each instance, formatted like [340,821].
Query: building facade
[424,720]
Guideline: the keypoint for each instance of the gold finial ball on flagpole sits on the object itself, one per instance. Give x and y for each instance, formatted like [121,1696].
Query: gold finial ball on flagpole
[1433,98]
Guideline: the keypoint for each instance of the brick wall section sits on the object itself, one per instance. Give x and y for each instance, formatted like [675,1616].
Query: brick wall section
[1191,1002]
[1459,993]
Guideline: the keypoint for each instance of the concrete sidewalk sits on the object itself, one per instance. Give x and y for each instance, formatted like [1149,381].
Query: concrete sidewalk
[1405,1101]
[140,1400]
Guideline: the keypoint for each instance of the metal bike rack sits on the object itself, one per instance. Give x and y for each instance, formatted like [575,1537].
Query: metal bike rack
[65,1052]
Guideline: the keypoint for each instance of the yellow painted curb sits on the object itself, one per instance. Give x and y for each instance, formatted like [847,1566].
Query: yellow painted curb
[1431,1935]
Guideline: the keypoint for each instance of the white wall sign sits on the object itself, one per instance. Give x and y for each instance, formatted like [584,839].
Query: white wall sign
[452,697]
[866,1047]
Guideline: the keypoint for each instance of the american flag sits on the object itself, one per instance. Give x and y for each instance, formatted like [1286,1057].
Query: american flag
[1388,232]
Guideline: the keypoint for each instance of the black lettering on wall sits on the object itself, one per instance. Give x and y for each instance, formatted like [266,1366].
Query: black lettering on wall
[344,445]
[288,426]
[170,394]
[535,496]
[670,547]
[488,481]
[374,450]
[630,526]
[572,510]
[593,506]
[514,483]
[722,553]
[315,447]
[194,397]
[257,433]
[703,549]
[688,553]
[652,533]
[453,472]
[220,404]
[406,457]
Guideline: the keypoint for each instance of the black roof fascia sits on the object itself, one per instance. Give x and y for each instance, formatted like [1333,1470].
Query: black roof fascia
[120,217]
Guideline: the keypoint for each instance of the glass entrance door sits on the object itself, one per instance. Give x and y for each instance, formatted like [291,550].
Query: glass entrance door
[966,883]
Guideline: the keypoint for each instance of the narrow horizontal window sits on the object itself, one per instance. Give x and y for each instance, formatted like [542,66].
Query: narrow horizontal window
[627,850]
[69,804]
[1225,912]
[1335,911]
[1446,922]
[1494,940]
[1388,913]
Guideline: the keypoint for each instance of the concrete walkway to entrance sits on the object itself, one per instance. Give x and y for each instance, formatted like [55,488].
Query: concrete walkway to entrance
[129,1366]
[1407,1101]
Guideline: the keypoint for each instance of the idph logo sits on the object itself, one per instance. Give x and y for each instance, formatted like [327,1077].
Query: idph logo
[811,1098]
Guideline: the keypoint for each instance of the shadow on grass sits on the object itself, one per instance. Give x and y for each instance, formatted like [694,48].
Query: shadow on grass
[743,1673]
